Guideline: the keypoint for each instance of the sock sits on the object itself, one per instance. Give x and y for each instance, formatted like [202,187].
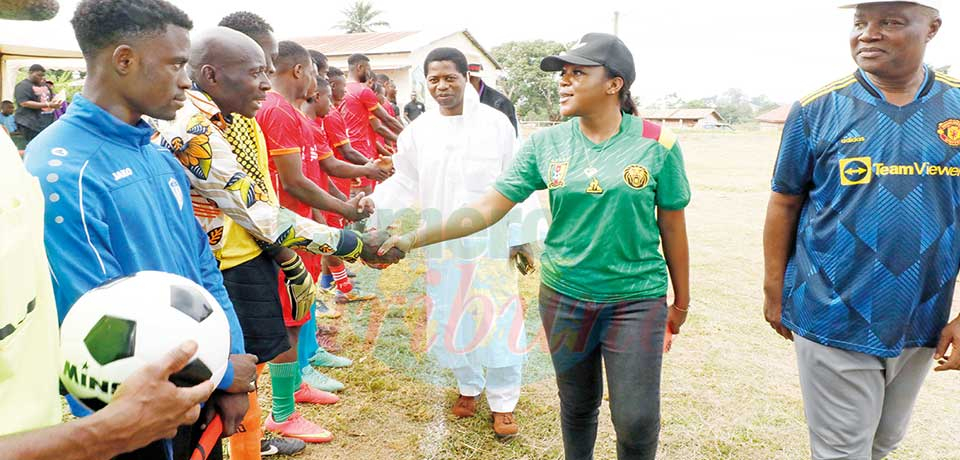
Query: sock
[297,378]
[340,278]
[307,344]
[283,380]
[326,281]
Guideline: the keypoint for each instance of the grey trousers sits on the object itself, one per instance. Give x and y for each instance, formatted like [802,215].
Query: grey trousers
[857,405]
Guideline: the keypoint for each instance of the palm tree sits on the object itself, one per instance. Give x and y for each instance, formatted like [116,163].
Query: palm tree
[361,18]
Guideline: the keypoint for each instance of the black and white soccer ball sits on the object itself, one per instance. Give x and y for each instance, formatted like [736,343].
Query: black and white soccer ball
[126,323]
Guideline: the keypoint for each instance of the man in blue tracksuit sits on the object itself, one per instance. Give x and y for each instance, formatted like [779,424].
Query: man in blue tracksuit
[117,204]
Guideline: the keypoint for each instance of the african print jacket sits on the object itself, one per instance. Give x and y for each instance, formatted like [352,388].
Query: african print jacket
[227,184]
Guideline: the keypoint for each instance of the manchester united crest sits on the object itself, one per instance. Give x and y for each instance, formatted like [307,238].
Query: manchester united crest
[558,174]
[636,176]
[949,132]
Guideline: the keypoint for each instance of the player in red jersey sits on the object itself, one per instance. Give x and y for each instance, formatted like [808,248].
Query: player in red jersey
[315,109]
[359,103]
[290,140]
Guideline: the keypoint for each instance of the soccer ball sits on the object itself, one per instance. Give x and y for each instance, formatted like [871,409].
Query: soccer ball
[126,323]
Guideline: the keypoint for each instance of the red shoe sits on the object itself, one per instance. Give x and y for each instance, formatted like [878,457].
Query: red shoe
[310,395]
[298,427]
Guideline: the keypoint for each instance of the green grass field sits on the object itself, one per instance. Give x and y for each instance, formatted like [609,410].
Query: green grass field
[730,385]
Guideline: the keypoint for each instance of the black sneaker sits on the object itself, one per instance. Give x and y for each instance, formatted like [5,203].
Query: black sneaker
[281,446]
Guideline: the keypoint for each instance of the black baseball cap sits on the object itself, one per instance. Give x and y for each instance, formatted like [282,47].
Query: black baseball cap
[596,49]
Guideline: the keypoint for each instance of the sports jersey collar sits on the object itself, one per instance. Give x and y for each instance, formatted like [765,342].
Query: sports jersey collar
[867,84]
[625,123]
[104,124]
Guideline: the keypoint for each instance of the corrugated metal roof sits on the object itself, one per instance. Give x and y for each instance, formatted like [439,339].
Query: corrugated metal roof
[679,114]
[346,44]
[777,115]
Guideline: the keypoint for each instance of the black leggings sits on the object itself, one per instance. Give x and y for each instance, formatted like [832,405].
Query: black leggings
[627,337]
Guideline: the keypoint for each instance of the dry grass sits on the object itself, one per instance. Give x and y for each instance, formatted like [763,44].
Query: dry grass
[730,386]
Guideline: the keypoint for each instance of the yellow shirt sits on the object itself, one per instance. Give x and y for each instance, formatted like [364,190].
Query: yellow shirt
[29,353]
[251,149]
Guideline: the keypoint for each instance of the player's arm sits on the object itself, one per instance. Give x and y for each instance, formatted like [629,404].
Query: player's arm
[383,150]
[381,129]
[146,407]
[336,168]
[335,191]
[296,184]
[352,155]
[392,124]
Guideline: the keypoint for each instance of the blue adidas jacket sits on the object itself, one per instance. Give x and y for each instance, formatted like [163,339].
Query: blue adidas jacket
[116,205]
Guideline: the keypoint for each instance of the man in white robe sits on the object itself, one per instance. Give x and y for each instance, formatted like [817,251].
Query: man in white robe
[446,159]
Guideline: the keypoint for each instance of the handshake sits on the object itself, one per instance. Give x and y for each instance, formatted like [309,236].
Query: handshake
[371,253]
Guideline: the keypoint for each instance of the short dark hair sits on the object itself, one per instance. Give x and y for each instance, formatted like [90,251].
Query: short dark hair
[247,23]
[334,72]
[382,78]
[291,54]
[37,68]
[99,23]
[6,102]
[322,83]
[446,54]
[319,59]
[357,58]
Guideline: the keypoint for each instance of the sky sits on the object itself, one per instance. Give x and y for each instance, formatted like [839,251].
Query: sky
[694,48]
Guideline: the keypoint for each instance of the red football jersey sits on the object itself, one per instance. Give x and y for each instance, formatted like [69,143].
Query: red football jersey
[287,131]
[356,108]
[337,137]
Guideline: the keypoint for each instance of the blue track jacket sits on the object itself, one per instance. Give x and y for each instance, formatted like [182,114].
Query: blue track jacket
[116,205]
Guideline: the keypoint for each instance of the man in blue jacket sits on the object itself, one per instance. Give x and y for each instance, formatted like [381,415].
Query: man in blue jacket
[117,204]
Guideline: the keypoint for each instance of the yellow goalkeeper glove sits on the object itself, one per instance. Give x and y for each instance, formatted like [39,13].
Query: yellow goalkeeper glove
[300,287]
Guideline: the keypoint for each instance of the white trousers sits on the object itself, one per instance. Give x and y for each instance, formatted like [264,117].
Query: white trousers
[501,383]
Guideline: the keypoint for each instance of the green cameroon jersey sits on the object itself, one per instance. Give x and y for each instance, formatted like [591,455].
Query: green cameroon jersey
[604,243]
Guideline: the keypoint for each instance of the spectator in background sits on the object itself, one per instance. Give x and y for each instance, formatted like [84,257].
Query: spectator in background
[492,97]
[413,109]
[7,119]
[34,105]
[62,107]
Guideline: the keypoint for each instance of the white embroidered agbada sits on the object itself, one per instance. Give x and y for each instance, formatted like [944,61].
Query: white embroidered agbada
[442,164]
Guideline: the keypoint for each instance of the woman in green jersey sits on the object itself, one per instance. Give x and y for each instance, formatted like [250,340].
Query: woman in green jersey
[617,190]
